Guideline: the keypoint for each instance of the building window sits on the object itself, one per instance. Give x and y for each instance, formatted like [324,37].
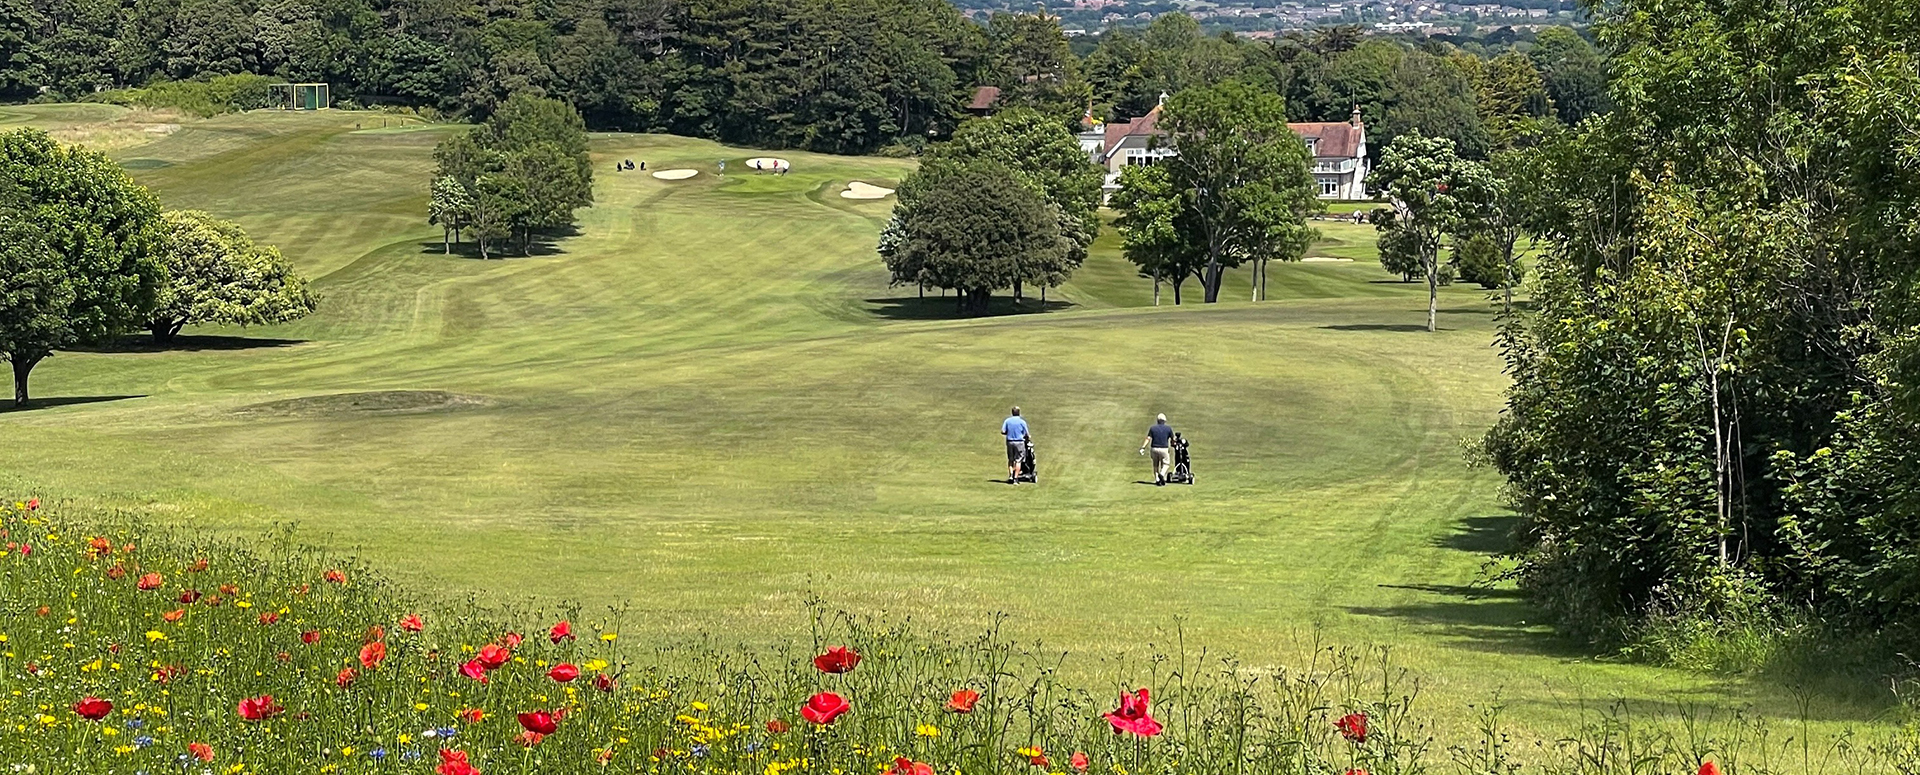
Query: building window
[1329,187]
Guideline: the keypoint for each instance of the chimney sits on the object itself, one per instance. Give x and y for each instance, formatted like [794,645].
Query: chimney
[1355,118]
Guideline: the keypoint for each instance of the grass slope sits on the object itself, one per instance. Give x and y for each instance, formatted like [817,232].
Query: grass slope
[709,404]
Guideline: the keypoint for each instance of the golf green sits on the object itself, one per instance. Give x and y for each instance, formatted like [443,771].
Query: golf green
[709,405]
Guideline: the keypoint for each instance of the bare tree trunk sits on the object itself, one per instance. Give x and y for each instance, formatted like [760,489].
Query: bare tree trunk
[1156,289]
[165,330]
[1433,292]
[22,366]
[446,241]
[1256,281]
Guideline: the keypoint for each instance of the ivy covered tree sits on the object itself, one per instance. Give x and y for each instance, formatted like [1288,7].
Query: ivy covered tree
[972,226]
[80,247]
[216,274]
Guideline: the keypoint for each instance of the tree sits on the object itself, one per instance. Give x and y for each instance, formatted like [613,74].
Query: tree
[216,274]
[451,208]
[1048,159]
[1156,232]
[1573,72]
[972,226]
[1434,193]
[100,228]
[1246,175]
[525,171]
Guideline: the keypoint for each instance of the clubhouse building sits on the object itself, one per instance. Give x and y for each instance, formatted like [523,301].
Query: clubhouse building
[1339,150]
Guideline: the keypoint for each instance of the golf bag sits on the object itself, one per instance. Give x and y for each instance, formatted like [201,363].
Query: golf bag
[1182,462]
[1026,465]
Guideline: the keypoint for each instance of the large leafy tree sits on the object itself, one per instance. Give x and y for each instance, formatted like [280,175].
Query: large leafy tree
[97,276]
[1244,175]
[1435,193]
[525,171]
[216,274]
[1156,226]
[1045,156]
[972,226]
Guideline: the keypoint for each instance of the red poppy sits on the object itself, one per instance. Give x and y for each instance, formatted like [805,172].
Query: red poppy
[962,701]
[1353,727]
[345,677]
[1039,757]
[473,715]
[454,763]
[117,572]
[93,708]
[539,721]
[905,766]
[166,673]
[777,726]
[1356,771]
[838,659]
[474,670]
[99,546]
[270,617]
[1132,715]
[1709,768]
[310,637]
[190,596]
[374,633]
[196,567]
[283,657]
[372,654]
[493,657]
[511,639]
[174,615]
[561,631]
[26,550]
[602,682]
[564,672]
[1079,761]
[33,504]
[824,707]
[229,589]
[412,623]
[113,648]
[303,589]
[335,576]
[201,751]
[530,739]
[258,708]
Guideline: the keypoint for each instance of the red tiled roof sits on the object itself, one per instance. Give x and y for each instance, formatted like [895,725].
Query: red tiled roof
[1338,138]
[1117,131]
[984,97]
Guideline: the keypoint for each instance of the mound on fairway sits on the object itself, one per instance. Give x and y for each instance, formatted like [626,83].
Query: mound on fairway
[371,402]
[768,164]
[675,174]
[859,190]
[1325,260]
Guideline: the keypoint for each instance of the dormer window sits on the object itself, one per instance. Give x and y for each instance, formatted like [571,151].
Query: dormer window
[1313,146]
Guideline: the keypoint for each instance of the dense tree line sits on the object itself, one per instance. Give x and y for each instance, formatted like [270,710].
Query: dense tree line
[1713,421]
[845,76]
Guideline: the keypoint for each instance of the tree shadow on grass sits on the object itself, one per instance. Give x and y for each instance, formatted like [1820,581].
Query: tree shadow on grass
[189,343]
[1481,535]
[6,405]
[543,245]
[942,308]
[1401,327]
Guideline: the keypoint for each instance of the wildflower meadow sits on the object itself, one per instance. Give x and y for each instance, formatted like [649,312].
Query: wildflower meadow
[127,651]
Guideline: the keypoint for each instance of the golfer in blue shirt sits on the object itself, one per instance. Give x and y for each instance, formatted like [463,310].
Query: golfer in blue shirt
[1160,440]
[1015,429]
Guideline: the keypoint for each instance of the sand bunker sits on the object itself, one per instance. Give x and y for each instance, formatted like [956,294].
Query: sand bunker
[675,174]
[767,164]
[1325,260]
[859,190]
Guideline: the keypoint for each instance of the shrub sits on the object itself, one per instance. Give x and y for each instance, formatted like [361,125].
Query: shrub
[210,97]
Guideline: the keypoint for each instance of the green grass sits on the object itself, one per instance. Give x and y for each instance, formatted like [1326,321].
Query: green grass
[710,404]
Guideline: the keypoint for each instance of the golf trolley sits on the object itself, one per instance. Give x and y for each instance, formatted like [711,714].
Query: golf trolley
[1182,462]
[1026,465]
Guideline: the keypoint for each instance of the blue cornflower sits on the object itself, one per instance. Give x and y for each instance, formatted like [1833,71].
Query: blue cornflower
[409,755]
[142,741]
[378,754]
[698,750]
[134,723]
[447,732]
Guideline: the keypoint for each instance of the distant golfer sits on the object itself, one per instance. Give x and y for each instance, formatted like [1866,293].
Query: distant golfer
[1015,429]
[1160,439]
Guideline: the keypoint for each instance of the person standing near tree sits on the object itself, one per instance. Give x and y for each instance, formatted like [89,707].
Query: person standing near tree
[1160,439]
[1015,429]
